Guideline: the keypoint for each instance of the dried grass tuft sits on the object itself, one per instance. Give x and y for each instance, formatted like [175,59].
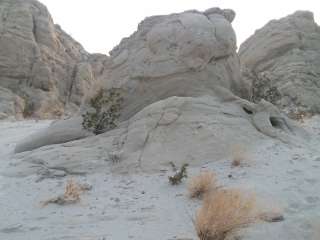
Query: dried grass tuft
[300,115]
[202,184]
[239,156]
[71,195]
[223,212]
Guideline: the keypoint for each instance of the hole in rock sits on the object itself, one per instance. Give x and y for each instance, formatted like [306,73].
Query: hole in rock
[247,110]
[277,122]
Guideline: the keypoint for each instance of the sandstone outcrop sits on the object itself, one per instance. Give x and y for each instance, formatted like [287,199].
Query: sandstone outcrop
[281,61]
[11,105]
[59,131]
[187,54]
[180,75]
[184,103]
[179,129]
[40,63]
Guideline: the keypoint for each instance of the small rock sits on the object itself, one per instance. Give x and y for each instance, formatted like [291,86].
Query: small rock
[271,217]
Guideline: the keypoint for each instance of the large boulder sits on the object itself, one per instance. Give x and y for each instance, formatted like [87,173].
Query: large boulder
[281,61]
[40,62]
[60,131]
[187,54]
[178,129]
[180,77]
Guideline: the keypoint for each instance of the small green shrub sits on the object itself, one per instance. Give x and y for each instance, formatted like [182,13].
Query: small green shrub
[107,105]
[179,175]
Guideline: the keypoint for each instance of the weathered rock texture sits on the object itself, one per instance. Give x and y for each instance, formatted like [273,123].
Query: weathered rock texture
[10,104]
[40,63]
[188,54]
[179,129]
[58,132]
[281,61]
[181,76]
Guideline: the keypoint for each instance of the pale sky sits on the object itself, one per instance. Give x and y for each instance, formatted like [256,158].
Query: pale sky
[99,25]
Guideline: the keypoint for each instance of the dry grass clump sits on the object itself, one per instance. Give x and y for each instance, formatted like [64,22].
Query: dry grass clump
[71,195]
[239,156]
[223,212]
[202,184]
[236,162]
[299,115]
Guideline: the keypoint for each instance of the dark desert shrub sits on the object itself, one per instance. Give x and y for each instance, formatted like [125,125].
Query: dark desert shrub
[106,105]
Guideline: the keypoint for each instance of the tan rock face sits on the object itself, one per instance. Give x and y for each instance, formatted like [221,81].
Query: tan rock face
[186,54]
[10,104]
[40,62]
[282,62]
[180,77]
[180,129]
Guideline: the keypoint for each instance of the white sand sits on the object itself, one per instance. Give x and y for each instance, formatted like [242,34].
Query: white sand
[145,207]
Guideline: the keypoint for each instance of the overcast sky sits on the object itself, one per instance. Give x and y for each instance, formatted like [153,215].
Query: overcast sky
[99,25]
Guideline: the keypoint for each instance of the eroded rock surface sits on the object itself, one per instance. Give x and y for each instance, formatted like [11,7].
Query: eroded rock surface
[187,54]
[282,63]
[180,129]
[41,63]
[180,108]
[11,105]
[60,131]
[180,76]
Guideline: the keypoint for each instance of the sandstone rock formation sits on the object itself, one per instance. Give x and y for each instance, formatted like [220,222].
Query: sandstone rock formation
[281,61]
[188,54]
[10,104]
[181,77]
[180,129]
[58,132]
[185,102]
[40,63]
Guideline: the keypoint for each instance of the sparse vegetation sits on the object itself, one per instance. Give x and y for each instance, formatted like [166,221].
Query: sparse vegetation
[203,184]
[299,115]
[223,212]
[239,156]
[264,88]
[71,195]
[236,162]
[179,175]
[173,166]
[28,107]
[106,105]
